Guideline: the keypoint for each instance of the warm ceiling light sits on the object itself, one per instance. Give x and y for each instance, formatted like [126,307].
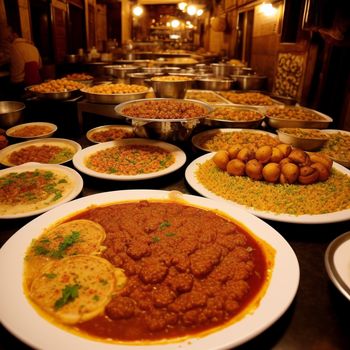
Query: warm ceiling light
[182,6]
[191,10]
[137,10]
[175,23]
[200,12]
[267,9]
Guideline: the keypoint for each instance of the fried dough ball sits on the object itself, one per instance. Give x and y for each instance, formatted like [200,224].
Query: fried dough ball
[289,173]
[233,150]
[299,157]
[254,169]
[236,167]
[285,149]
[263,154]
[271,172]
[321,158]
[324,172]
[245,154]
[285,161]
[308,175]
[221,159]
[276,155]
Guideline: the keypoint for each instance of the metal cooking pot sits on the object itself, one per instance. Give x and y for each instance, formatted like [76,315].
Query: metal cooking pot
[222,69]
[249,82]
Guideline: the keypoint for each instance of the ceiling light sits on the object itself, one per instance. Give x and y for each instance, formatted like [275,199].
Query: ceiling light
[182,6]
[137,10]
[267,9]
[191,10]
[200,12]
[175,23]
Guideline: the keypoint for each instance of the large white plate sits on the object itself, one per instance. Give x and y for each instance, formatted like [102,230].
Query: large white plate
[20,318]
[80,158]
[337,261]
[72,145]
[71,173]
[191,178]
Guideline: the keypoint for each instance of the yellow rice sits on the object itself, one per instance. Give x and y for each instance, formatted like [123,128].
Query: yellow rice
[319,198]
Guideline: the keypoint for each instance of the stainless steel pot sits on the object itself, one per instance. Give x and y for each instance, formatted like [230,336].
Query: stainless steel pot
[11,113]
[222,69]
[249,82]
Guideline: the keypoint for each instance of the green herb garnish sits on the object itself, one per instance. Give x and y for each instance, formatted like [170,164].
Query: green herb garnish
[69,293]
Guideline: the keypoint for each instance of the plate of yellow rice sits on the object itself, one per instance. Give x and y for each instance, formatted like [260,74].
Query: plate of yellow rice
[318,203]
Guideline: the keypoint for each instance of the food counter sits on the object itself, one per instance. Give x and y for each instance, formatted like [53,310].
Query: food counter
[318,316]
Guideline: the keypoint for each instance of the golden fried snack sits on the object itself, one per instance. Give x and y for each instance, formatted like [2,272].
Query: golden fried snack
[245,154]
[233,150]
[263,154]
[289,173]
[271,172]
[321,158]
[324,172]
[221,158]
[236,167]
[299,157]
[308,175]
[276,155]
[254,169]
[285,149]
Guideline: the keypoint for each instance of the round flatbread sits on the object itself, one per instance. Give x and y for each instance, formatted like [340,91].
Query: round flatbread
[74,289]
[77,237]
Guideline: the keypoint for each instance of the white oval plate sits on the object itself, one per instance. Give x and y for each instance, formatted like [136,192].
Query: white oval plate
[53,129]
[5,152]
[20,318]
[190,175]
[81,156]
[91,132]
[71,173]
[337,261]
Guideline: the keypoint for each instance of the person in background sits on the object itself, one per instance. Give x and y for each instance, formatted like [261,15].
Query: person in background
[25,62]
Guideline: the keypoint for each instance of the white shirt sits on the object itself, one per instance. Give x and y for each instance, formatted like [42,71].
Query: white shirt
[22,51]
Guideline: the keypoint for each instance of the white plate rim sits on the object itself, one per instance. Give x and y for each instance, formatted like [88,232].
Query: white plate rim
[90,132]
[79,158]
[37,332]
[74,175]
[7,150]
[215,131]
[339,216]
[52,125]
[331,266]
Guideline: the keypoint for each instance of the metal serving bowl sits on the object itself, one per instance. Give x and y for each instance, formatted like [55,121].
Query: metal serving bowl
[170,88]
[249,82]
[112,98]
[214,83]
[222,69]
[122,70]
[164,129]
[11,113]
[152,70]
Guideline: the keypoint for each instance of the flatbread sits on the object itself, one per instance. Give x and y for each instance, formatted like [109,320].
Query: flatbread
[76,288]
[71,238]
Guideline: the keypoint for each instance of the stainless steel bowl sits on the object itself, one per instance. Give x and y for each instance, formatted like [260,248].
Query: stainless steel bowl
[164,129]
[112,98]
[122,71]
[214,83]
[11,113]
[237,70]
[222,69]
[152,70]
[249,82]
[171,88]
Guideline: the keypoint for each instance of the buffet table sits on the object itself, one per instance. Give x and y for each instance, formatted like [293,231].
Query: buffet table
[318,318]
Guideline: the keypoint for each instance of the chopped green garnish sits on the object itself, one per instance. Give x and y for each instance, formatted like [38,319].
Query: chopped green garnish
[170,234]
[50,275]
[69,293]
[67,242]
[96,298]
[164,224]
[40,250]
[155,239]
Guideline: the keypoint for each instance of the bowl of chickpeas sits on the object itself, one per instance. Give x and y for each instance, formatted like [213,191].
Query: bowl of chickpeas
[114,93]
[170,86]
[56,89]
[167,119]
[284,116]
[305,139]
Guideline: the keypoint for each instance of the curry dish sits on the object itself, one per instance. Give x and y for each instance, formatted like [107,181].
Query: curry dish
[183,277]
